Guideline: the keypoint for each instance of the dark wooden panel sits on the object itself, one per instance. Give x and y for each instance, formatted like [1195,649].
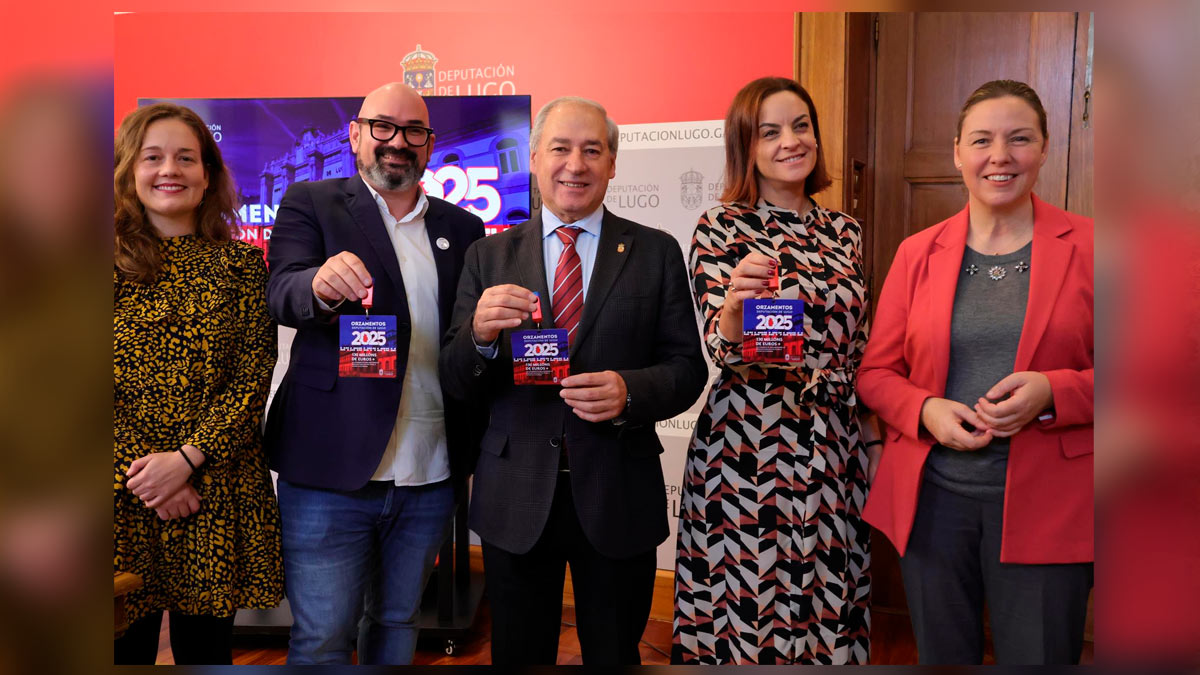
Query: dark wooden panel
[953,53]
[1052,69]
[860,141]
[1080,195]
[891,133]
[932,203]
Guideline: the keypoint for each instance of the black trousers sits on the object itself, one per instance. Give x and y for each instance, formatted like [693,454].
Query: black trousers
[952,566]
[612,597]
[195,640]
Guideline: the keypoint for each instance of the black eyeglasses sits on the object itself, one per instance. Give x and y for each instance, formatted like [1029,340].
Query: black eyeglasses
[384,131]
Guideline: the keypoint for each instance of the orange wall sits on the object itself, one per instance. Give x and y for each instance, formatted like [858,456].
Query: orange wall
[645,67]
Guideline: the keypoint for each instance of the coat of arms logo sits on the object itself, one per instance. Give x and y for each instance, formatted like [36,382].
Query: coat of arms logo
[420,72]
[691,189]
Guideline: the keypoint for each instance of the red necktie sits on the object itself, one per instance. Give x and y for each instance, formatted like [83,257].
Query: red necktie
[567,297]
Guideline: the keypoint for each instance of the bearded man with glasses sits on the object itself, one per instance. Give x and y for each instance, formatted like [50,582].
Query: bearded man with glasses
[365,462]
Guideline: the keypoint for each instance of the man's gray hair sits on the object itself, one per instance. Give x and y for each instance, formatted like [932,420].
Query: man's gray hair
[539,122]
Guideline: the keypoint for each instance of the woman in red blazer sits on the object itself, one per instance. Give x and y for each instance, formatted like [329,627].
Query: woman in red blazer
[981,363]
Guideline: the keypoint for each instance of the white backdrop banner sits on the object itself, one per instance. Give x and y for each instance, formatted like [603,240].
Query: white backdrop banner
[667,175]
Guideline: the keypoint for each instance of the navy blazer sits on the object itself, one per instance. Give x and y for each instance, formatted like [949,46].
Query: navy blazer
[323,431]
[638,321]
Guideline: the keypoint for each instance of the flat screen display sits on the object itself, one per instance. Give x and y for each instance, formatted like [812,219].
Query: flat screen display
[480,157]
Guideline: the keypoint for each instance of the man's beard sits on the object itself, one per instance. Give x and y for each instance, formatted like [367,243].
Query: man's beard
[392,179]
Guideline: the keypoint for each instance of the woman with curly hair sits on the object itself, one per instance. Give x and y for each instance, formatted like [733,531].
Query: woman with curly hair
[193,350]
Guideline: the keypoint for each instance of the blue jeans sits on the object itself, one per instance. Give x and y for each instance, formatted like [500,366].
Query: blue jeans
[357,562]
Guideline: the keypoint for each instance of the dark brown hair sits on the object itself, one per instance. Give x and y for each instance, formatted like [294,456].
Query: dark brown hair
[998,89]
[136,251]
[741,139]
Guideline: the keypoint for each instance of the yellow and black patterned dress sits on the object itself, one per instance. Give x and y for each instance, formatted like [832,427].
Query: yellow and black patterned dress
[192,360]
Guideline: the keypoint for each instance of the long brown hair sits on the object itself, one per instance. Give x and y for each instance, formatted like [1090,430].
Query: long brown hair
[136,251]
[741,140]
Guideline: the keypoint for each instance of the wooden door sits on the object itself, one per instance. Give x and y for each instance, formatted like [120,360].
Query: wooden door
[927,65]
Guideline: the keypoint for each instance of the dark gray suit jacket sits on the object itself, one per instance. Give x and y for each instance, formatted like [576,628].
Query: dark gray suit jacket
[638,321]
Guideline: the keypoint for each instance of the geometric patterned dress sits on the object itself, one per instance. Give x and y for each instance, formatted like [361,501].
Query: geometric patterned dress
[773,557]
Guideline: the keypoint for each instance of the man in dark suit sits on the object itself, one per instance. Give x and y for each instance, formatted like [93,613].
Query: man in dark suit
[570,474]
[365,464]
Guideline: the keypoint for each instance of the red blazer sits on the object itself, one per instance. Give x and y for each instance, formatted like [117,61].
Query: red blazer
[1048,499]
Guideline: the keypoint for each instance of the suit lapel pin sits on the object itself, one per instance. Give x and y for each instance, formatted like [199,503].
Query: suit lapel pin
[621,247]
[442,243]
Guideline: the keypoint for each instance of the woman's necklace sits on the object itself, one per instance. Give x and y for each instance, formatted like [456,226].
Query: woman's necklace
[998,272]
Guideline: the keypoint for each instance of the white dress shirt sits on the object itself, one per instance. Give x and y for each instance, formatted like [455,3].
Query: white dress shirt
[416,452]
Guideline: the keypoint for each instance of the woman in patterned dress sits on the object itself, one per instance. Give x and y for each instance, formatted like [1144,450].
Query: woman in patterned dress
[772,562]
[193,350]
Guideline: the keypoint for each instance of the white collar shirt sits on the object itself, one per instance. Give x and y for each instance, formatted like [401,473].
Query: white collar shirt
[416,452]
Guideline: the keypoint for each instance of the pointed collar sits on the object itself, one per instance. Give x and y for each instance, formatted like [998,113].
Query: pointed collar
[590,223]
